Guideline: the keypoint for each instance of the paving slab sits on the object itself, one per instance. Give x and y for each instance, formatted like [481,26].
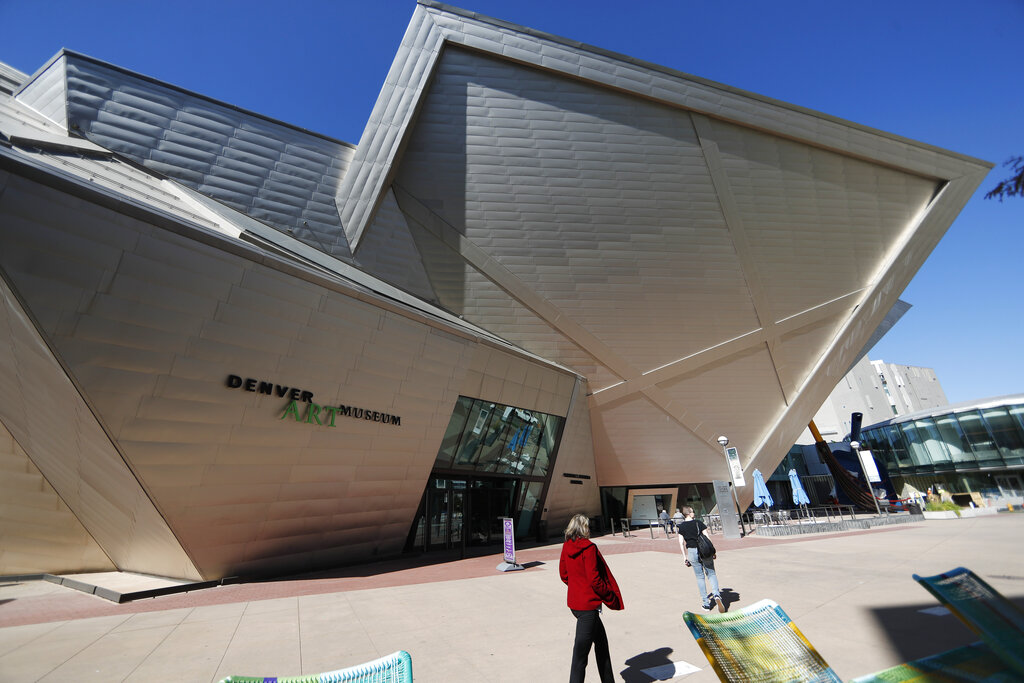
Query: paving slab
[850,593]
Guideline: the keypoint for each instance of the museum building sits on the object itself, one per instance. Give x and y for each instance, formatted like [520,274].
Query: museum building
[235,347]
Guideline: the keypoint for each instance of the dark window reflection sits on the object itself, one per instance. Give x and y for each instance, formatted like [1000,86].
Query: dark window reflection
[491,437]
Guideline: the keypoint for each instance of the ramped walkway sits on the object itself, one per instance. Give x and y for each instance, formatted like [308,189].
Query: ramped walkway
[851,594]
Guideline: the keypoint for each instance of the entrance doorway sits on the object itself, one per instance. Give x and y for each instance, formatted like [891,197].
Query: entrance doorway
[445,508]
[463,512]
[490,500]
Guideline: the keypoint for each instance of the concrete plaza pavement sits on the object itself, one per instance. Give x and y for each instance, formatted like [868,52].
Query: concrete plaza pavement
[850,593]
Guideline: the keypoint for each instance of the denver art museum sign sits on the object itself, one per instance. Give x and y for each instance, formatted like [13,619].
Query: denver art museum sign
[309,412]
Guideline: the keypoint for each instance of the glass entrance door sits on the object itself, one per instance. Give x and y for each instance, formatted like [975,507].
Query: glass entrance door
[468,511]
[445,510]
[489,501]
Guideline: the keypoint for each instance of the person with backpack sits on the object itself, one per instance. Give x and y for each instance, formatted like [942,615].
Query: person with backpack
[704,569]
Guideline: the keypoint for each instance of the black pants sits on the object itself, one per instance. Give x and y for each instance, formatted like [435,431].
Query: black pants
[590,631]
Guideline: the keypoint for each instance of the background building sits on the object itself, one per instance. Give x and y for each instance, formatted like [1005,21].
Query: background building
[233,346]
[974,447]
[878,390]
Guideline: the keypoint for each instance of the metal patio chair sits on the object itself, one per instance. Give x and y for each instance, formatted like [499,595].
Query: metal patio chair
[975,663]
[395,668]
[984,610]
[758,643]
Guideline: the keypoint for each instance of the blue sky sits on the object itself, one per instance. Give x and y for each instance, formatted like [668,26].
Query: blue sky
[942,72]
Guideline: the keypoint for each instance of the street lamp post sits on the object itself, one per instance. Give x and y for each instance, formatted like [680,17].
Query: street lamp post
[723,441]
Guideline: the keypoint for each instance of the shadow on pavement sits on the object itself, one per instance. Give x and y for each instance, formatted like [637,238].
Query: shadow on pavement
[729,596]
[648,660]
[913,634]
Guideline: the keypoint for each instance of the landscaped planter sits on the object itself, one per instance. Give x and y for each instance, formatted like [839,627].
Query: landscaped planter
[940,514]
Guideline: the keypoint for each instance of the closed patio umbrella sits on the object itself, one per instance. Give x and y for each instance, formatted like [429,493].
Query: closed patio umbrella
[799,495]
[761,495]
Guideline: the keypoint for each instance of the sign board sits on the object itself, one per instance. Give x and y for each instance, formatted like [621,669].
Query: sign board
[867,463]
[733,456]
[726,510]
[645,510]
[510,540]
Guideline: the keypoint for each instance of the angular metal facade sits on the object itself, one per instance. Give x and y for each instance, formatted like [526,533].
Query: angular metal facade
[526,220]
[712,261]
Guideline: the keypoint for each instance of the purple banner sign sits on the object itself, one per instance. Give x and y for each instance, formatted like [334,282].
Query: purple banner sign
[510,540]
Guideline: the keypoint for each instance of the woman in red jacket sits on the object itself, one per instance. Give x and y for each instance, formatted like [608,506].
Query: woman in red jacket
[591,585]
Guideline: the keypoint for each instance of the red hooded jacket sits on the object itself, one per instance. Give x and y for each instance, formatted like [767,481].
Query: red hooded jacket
[590,582]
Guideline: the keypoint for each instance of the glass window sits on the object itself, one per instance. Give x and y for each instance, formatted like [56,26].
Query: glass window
[491,437]
[453,434]
[915,444]
[491,455]
[877,441]
[932,441]
[520,445]
[478,431]
[1006,434]
[954,438]
[529,506]
[898,445]
[796,461]
[1017,413]
[978,436]
[546,435]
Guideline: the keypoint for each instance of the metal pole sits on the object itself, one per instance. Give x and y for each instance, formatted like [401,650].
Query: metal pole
[737,499]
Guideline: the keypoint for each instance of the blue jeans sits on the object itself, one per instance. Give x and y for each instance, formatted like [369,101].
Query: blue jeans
[701,567]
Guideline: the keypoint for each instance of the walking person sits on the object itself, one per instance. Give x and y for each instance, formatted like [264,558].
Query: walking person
[689,529]
[591,585]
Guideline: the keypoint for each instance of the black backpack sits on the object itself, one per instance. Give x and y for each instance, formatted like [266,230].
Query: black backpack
[705,548]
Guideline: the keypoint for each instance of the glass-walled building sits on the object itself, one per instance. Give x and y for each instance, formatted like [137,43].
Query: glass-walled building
[967,447]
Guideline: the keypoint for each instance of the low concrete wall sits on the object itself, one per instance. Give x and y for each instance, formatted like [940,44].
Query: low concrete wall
[941,514]
[978,512]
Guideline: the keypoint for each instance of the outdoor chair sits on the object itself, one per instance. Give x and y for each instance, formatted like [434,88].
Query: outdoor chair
[974,662]
[758,643]
[984,610]
[395,668]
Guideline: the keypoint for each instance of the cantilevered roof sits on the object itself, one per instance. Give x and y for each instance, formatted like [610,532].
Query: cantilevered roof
[711,260]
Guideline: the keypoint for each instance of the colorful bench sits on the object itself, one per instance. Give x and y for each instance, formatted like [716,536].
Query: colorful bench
[395,668]
[758,643]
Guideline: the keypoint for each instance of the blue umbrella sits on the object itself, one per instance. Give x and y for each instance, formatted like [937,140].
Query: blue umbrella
[799,495]
[761,495]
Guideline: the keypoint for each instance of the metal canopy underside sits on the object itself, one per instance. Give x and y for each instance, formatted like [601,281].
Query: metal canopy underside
[711,260]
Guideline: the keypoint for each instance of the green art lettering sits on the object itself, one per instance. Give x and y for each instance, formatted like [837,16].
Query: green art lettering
[293,410]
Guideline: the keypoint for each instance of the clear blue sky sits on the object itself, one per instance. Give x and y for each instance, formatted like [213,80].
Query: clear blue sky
[943,72]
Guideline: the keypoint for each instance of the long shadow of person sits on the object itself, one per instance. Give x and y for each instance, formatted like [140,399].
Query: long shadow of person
[653,659]
[729,596]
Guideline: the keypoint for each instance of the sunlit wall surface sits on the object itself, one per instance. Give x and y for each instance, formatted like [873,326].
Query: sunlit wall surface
[972,438]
